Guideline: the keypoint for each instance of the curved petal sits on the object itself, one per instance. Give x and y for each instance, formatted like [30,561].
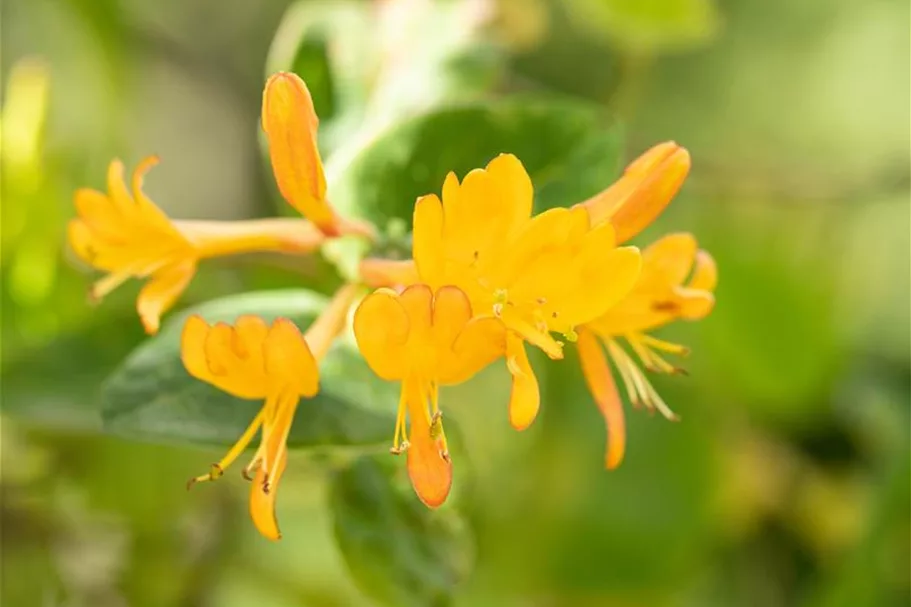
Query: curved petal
[605,278]
[451,312]
[601,384]
[262,501]
[705,272]
[481,341]
[429,466]
[288,360]
[192,348]
[160,293]
[668,261]
[525,398]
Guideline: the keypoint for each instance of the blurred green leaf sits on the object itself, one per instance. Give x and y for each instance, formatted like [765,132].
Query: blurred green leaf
[581,156]
[151,396]
[648,25]
[398,551]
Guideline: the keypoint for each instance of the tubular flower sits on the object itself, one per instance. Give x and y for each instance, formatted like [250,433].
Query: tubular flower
[253,360]
[125,234]
[648,185]
[425,339]
[548,273]
[290,123]
[662,295]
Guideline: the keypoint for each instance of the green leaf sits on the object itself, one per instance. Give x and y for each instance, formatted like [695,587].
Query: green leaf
[151,396]
[570,149]
[398,551]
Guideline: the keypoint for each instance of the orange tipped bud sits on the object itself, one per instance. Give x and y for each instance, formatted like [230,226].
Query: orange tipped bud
[290,123]
[648,185]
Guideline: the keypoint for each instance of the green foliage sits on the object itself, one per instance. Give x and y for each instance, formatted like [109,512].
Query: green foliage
[581,157]
[399,552]
[152,397]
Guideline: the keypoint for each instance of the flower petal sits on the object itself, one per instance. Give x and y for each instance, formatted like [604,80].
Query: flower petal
[427,250]
[288,360]
[429,469]
[525,398]
[481,341]
[290,123]
[160,293]
[262,503]
[668,261]
[192,348]
[601,384]
[382,328]
[705,273]
[451,312]
[605,278]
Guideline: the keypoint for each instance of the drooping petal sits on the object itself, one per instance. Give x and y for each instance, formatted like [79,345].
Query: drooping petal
[262,502]
[160,293]
[601,384]
[382,328]
[525,397]
[429,468]
[288,360]
[290,123]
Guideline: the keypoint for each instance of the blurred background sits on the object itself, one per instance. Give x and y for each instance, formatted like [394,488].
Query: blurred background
[787,481]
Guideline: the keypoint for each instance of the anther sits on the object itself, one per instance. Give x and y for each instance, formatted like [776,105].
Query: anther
[436,425]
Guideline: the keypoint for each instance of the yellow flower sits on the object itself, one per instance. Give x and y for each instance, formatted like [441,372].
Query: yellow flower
[648,185]
[252,360]
[126,235]
[548,273]
[424,339]
[677,282]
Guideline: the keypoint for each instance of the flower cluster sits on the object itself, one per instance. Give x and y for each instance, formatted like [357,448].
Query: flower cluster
[487,280]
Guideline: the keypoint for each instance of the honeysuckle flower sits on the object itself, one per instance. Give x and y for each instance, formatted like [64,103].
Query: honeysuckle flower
[537,275]
[275,363]
[677,283]
[425,338]
[648,185]
[126,235]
